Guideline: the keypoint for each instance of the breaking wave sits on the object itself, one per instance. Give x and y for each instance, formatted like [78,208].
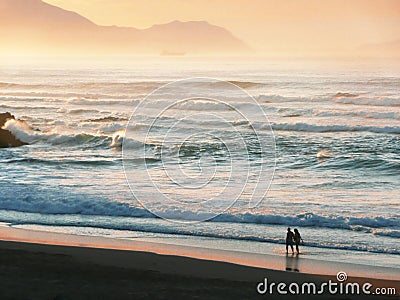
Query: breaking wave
[28,135]
[304,127]
[86,205]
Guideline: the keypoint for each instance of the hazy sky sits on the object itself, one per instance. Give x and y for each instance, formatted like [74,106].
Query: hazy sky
[300,25]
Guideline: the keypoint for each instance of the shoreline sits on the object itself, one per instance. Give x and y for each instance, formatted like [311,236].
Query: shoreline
[282,262]
[116,266]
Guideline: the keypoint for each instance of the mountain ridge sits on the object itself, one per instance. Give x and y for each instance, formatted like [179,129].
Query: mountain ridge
[44,27]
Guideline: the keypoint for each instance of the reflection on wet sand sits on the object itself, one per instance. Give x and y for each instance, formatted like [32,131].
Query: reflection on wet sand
[292,262]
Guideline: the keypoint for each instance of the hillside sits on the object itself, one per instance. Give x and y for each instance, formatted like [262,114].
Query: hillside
[35,26]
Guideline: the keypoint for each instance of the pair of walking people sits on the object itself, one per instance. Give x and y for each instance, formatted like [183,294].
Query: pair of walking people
[293,238]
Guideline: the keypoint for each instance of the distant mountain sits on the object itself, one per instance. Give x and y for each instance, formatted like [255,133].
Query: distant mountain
[36,26]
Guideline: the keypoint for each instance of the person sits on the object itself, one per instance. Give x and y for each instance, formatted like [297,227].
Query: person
[297,239]
[289,240]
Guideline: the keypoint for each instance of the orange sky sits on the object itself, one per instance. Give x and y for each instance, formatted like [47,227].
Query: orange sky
[266,25]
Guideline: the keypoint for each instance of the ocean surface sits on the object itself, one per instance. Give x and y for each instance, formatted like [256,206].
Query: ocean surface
[331,137]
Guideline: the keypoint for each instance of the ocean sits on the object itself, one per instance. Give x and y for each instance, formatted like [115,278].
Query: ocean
[329,143]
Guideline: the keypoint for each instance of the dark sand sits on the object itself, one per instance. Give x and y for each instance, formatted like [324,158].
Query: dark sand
[32,270]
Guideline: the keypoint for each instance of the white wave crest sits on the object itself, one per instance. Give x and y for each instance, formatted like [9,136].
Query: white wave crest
[373,101]
[55,136]
[304,127]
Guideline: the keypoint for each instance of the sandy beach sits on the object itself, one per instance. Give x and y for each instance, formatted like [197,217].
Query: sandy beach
[42,265]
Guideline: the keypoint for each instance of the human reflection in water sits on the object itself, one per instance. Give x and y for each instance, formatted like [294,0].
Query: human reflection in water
[292,262]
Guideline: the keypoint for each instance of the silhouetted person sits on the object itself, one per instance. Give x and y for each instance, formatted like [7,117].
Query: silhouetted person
[297,239]
[289,240]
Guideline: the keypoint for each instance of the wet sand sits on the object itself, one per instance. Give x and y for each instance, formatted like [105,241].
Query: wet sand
[63,269]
